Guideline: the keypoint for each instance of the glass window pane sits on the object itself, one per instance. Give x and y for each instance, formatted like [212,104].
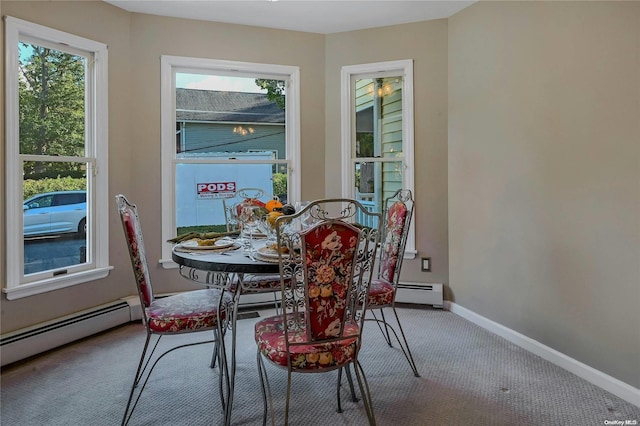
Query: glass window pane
[54,216]
[201,188]
[376,181]
[229,114]
[51,101]
[239,120]
[378,117]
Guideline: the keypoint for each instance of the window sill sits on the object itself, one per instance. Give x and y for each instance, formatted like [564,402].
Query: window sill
[168,264]
[410,254]
[50,284]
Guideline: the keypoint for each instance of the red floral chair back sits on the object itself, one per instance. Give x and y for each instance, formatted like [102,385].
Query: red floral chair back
[329,254]
[398,212]
[325,274]
[133,234]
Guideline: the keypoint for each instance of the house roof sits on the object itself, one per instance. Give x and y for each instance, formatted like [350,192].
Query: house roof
[219,106]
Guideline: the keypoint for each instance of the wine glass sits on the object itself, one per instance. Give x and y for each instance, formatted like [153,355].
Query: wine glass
[267,227]
[306,219]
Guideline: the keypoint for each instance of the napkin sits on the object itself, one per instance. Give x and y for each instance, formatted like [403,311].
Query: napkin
[203,236]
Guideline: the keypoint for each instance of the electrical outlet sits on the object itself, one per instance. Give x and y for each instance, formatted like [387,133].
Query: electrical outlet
[426,264]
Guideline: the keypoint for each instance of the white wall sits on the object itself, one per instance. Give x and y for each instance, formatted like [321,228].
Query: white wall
[544,174]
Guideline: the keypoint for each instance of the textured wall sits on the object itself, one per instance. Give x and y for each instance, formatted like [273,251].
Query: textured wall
[544,176]
[426,44]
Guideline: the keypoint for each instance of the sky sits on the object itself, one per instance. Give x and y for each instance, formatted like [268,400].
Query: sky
[216,82]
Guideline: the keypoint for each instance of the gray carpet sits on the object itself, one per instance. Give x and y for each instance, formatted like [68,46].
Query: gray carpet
[469,377]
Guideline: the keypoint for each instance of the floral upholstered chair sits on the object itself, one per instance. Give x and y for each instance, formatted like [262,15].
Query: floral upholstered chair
[193,311]
[324,274]
[384,288]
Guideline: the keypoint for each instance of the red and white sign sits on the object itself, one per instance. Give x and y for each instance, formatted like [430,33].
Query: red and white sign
[215,190]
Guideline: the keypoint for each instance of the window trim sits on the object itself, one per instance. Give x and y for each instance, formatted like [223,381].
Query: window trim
[168,66]
[347,112]
[96,154]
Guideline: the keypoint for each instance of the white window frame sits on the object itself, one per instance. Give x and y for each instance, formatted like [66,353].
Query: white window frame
[170,65]
[96,155]
[347,108]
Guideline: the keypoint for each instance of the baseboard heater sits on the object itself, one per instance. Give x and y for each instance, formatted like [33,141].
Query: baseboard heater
[21,344]
[421,294]
[39,338]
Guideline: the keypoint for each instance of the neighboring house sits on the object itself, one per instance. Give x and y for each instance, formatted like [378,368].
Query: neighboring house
[378,134]
[217,121]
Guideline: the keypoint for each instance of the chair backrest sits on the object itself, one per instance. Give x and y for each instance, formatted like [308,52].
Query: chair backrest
[133,235]
[325,270]
[394,231]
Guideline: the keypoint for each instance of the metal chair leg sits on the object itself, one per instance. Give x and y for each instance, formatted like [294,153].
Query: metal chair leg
[405,347]
[354,398]
[266,391]
[366,393]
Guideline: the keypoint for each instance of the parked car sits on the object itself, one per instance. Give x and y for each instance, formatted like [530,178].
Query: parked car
[54,213]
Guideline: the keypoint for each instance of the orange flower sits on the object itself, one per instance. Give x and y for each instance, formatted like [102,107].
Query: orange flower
[325,358]
[314,291]
[326,291]
[313,358]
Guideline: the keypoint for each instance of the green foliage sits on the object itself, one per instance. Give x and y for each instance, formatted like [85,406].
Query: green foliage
[275,90]
[33,187]
[279,183]
[201,228]
[364,144]
[52,103]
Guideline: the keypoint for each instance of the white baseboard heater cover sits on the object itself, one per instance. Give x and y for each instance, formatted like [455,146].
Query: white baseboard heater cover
[42,337]
[419,293]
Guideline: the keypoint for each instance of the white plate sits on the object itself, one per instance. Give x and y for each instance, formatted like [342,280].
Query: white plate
[219,245]
[267,252]
[267,258]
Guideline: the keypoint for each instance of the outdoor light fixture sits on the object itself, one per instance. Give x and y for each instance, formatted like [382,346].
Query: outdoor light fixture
[242,131]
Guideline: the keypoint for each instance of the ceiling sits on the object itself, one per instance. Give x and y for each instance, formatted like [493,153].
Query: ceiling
[324,17]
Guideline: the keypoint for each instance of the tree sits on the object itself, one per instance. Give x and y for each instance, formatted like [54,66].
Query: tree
[52,109]
[275,90]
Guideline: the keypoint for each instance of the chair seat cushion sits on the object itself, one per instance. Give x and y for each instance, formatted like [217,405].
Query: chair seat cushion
[381,293]
[270,338]
[188,311]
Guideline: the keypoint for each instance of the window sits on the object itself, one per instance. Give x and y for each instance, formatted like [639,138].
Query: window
[56,159]
[377,133]
[225,126]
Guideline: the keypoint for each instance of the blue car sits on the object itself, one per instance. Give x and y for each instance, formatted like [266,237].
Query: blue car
[56,213]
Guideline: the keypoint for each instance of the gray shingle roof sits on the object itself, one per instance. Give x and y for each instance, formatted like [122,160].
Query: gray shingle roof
[211,105]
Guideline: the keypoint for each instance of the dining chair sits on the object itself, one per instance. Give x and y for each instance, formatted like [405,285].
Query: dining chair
[398,211]
[251,283]
[325,271]
[205,310]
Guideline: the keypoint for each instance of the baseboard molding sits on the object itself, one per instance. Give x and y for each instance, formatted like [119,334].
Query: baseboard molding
[39,338]
[596,377]
[33,340]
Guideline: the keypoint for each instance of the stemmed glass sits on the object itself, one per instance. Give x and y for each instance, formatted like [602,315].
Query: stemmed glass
[267,229]
[249,218]
[306,220]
